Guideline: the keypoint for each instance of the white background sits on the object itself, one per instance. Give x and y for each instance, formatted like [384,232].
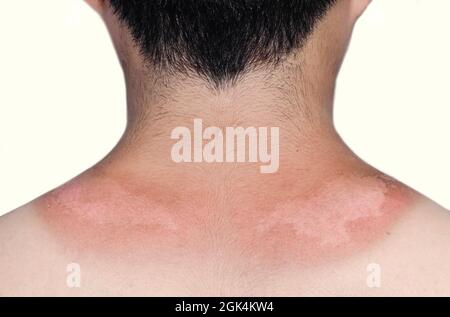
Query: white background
[62,99]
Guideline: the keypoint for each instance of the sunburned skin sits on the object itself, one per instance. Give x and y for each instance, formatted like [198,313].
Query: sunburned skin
[342,217]
[101,215]
[339,218]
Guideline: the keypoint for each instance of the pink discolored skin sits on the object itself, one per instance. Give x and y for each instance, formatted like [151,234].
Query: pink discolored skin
[104,215]
[338,218]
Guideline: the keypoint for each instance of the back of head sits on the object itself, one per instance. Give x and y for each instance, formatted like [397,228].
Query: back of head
[218,40]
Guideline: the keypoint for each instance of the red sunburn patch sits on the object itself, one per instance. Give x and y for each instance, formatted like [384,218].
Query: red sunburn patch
[340,218]
[105,215]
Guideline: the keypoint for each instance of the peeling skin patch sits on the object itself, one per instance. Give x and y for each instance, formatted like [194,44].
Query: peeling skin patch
[330,210]
[110,206]
[103,214]
[341,217]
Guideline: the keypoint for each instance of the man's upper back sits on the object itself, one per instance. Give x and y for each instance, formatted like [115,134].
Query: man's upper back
[348,237]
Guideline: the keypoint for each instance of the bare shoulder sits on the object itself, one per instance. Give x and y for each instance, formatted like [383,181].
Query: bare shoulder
[26,254]
[427,227]
[415,256]
[16,227]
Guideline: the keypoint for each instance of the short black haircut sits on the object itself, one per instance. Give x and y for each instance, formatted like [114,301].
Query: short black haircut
[219,39]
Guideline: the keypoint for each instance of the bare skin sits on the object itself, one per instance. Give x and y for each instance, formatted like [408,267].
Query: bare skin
[140,224]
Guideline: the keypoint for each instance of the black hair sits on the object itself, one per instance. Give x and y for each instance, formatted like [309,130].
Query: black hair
[219,39]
